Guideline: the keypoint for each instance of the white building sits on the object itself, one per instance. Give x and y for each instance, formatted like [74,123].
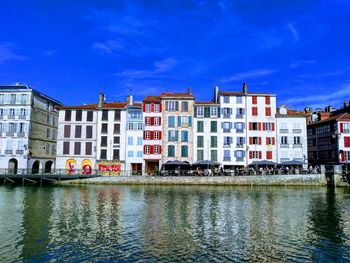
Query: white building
[28,129]
[76,140]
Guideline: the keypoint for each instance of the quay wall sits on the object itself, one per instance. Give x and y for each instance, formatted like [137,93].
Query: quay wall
[278,180]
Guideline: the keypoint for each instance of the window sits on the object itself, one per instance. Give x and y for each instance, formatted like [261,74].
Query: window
[147,121]
[268,126]
[346,127]
[88,148]
[239,113]
[13,98]
[140,126]
[254,140]
[284,140]
[147,135]
[130,140]
[1,112]
[254,100]
[156,135]
[239,126]
[226,112]
[171,121]
[130,126]
[227,140]
[77,148]
[117,115]
[147,149]
[78,131]
[116,128]
[268,111]
[239,99]
[89,116]
[184,151]
[68,115]
[297,140]
[89,132]
[78,115]
[346,141]
[200,141]
[21,127]
[104,128]
[255,111]
[105,115]
[116,154]
[66,148]
[184,106]
[103,140]
[116,140]
[214,155]
[23,112]
[226,99]
[213,141]
[200,155]
[200,111]
[254,154]
[103,154]
[48,119]
[200,126]
[171,151]
[139,154]
[240,142]
[184,136]
[156,108]
[239,155]
[66,131]
[148,107]
[130,154]
[0,128]
[253,126]
[184,121]
[227,155]
[267,100]
[226,126]
[1,98]
[12,112]
[172,136]
[139,140]
[171,105]
[213,111]
[213,126]
[156,121]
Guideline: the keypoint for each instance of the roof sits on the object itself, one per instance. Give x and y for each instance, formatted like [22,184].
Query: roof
[177,95]
[240,93]
[27,88]
[78,107]
[205,103]
[106,105]
[338,117]
[292,113]
[151,99]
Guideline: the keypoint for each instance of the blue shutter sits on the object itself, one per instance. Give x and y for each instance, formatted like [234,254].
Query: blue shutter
[222,125]
[230,125]
[176,135]
[186,136]
[135,126]
[169,136]
[189,121]
[178,121]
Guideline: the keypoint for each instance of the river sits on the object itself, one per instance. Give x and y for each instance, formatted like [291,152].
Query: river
[174,223]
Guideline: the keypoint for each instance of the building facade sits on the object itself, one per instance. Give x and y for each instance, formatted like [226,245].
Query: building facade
[291,135]
[152,134]
[28,129]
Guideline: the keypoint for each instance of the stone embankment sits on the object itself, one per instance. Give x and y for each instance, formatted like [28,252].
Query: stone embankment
[281,180]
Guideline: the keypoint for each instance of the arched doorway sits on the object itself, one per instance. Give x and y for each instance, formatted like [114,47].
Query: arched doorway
[36,167]
[12,167]
[48,166]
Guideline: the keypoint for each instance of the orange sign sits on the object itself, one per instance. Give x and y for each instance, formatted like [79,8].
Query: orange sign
[86,166]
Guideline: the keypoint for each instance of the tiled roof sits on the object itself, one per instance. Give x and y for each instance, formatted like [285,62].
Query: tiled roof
[292,113]
[151,99]
[78,107]
[233,93]
[177,95]
[205,102]
[106,105]
[114,105]
[338,117]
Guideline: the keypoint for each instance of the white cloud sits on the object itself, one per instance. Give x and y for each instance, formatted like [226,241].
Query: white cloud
[249,75]
[107,47]
[7,54]
[294,31]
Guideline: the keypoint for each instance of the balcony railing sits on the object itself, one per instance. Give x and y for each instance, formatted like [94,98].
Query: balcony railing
[297,145]
[11,117]
[10,134]
[284,145]
[1,117]
[226,116]
[296,130]
[284,159]
[284,130]
[227,130]
[239,130]
[226,159]
[22,117]
[19,151]
[239,116]
[240,159]
[8,151]
[239,145]
[298,159]
[20,134]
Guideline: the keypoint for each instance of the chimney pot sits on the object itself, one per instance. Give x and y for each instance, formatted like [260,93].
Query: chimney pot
[245,87]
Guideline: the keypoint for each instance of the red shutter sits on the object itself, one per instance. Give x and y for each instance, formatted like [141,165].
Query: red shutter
[342,156]
[160,135]
[144,107]
[268,111]
[260,154]
[160,107]
[273,126]
[250,126]
[250,140]
[259,140]
[264,126]
[151,135]
[144,135]
[250,155]
[341,127]
[273,141]
[160,121]
[151,149]
[267,100]
[346,141]
[254,99]
[160,149]
[269,155]
[152,121]
[259,126]
[144,149]
[152,107]
[267,141]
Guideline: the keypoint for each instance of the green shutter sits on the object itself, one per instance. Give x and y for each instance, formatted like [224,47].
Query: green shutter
[195,112]
[206,112]
[176,135]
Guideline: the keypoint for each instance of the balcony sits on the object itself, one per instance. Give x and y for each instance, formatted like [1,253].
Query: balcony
[1,117]
[20,134]
[239,116]
[10,134]
[227,130]
[284,160]
[226,116]
[227,159]
[284,145]
[11,117]
[284,131]
[298,159]
[8,151]
[239,159]
[19,151]
[239,146]
[22,117]
[298,145]
[239,130]
[296,130]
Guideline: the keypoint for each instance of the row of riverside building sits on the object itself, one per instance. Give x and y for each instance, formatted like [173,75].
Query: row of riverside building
[235,129]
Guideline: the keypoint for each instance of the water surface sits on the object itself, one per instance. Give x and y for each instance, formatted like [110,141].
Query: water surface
[175,223]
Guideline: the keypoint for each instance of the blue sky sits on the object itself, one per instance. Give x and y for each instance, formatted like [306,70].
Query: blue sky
[72,50]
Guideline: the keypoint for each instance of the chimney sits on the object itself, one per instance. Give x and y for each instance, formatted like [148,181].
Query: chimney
[189,92]
[101,99]
[130,100]
[216,94]
[245,87]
